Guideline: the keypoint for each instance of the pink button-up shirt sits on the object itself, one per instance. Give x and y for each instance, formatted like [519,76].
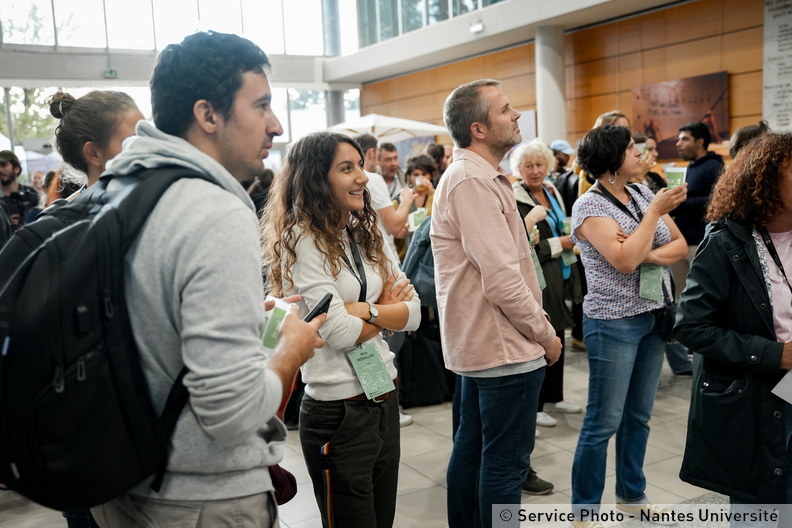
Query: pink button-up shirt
[487,291]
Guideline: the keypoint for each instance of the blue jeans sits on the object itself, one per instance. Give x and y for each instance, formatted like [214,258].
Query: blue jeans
[677,355]
[625,361]
[492,448]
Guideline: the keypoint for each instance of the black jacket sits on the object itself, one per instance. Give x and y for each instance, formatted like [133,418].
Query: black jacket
[557,290]
[736,439]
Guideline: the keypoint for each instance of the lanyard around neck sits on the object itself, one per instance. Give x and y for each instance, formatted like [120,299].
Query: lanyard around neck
[361,271]
[607,194]
[557,221]
[774,254]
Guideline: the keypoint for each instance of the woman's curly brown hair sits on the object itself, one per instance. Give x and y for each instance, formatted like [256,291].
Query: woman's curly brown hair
[301,199]
[749,190]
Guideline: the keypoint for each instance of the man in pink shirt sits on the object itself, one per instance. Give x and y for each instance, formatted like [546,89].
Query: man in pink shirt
[495,334]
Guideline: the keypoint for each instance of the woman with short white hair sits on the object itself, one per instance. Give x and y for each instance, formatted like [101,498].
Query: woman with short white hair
[541,206]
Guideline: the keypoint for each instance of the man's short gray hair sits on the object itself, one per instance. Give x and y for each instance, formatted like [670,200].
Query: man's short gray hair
[465,106]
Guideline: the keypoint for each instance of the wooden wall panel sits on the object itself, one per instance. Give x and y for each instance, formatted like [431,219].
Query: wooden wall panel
[629,69]
[604,63]
[510,63]
[629,32]
[739,14]
[745,94]
[742,51]
[595,43]
[694,58]
[419,108]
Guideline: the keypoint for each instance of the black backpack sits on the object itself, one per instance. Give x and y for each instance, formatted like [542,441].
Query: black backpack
[77,425]
[418,264]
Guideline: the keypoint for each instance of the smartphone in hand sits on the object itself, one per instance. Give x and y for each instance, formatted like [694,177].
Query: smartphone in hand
[320,308]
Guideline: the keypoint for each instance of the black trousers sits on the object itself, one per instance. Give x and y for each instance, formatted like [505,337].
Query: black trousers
[352,452]
[553,385]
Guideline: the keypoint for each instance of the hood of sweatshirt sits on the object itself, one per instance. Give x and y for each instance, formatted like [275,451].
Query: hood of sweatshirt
[151,148]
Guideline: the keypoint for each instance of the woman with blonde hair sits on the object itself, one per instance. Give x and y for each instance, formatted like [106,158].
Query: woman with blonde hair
[320,236]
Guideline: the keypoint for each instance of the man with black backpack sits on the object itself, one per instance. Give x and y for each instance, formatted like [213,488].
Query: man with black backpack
[194,291]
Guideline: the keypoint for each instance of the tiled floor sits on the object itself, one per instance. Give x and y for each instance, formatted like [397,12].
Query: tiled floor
[426,446]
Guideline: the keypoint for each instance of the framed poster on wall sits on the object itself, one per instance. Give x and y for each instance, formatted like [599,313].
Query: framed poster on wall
[659,109]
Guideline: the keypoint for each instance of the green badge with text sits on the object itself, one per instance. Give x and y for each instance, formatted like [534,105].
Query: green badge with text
[651,282]
[370,370]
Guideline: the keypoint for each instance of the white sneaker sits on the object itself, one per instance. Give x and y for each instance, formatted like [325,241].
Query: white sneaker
[545,420]
[404,419]
[586,524]
[564,407]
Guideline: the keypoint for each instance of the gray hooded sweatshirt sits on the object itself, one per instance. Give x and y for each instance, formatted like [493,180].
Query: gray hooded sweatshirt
[195,297]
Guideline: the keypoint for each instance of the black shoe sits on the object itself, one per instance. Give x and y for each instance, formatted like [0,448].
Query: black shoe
[533,485]
[684,373]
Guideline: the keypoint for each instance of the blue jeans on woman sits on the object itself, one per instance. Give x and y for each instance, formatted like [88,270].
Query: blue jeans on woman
[625,361]
[492,448]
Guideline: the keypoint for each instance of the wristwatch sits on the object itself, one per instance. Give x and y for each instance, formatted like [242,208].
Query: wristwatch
[374,314]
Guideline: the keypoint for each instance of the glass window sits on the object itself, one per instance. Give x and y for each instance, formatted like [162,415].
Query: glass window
[308,112]
[27,22]
[490,2]
[412,15]
[280,105]
[351,104]
[129,24]
[80,23]
[437,11]
[220,15]
[367,23]
[347,11]
[388,19]
[257,17]
[302,20]
[174,20]
[464,6]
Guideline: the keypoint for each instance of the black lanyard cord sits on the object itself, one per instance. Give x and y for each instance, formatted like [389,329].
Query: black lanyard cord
[361,271]
[607,194]
[774,254]
[550,211]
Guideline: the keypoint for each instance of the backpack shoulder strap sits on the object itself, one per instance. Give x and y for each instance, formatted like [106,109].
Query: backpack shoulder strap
[135,208]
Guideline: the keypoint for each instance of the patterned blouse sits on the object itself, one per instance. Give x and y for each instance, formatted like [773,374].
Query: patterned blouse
[611,293]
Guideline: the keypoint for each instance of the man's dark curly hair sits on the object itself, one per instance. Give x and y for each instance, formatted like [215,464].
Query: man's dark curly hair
[206,65]
[749,190]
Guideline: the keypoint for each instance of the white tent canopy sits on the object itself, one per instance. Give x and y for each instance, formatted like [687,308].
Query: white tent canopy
[386,128]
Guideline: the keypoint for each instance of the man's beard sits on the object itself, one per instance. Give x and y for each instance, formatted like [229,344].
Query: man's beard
[6,180]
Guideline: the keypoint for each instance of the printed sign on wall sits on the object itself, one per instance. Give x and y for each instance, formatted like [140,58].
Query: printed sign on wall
[777,72]
[659,109]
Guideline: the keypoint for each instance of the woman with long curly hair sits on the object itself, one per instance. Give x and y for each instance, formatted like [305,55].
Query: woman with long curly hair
[320,236]
[735,314]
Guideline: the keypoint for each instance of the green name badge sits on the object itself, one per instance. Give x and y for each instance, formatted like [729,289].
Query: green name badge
[651,286]
[568,257]
[269,337]
[415,219]
[539,272]
[370,370]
